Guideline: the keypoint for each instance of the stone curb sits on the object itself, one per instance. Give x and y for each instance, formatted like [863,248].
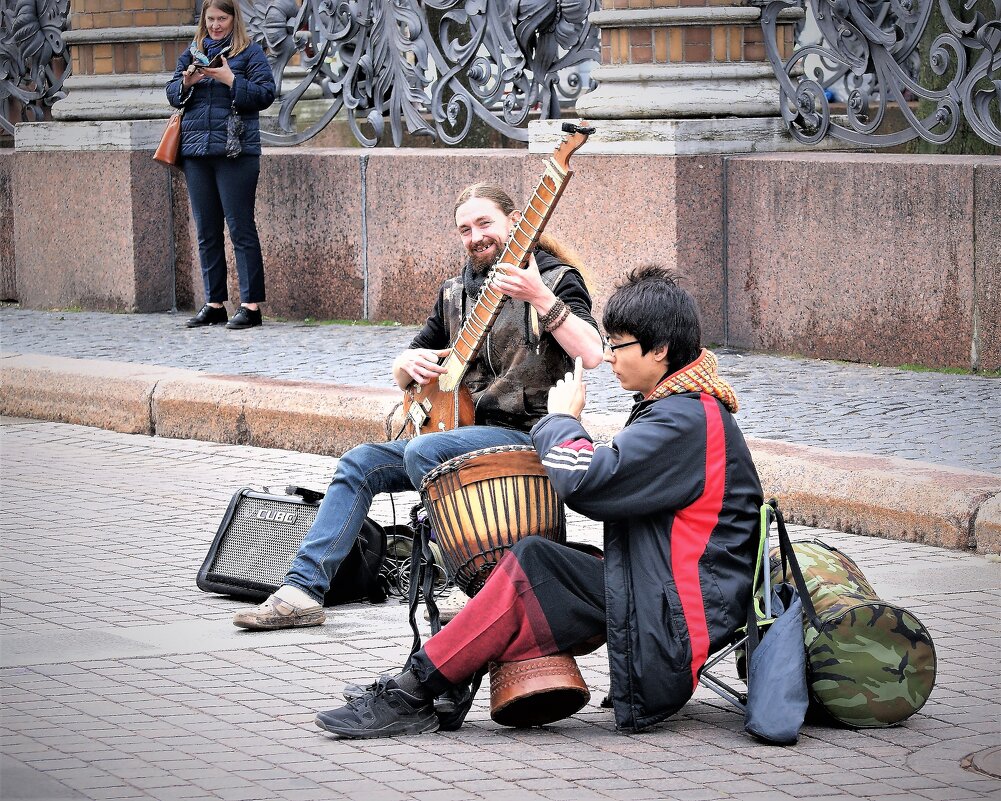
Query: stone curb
[854,492]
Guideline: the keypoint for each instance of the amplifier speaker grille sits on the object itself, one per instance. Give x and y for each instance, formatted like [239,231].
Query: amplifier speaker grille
[260,540]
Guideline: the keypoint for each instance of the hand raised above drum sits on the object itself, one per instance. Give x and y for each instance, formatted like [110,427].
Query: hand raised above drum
[569,394]
[418,364]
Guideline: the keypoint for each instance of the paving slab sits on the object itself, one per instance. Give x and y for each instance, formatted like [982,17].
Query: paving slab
[121,679]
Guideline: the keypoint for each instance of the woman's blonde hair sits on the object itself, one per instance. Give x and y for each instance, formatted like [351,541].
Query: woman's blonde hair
[503,201]
[240,40]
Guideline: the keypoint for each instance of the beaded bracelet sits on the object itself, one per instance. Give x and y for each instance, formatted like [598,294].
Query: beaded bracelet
[550,316]
[561,319]
[555,317]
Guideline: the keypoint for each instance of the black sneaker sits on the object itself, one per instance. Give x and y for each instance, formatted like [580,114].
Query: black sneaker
[451,706]
[245,318]
[386,711]
[208,315]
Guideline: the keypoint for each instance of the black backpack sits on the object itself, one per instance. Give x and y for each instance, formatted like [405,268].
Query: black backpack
[360,578]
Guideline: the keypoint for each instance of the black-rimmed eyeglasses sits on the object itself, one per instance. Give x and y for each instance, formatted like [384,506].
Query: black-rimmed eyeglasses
[612,348]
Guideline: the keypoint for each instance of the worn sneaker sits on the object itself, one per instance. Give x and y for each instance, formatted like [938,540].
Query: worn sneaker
[275,613]
[386,711]
[451,707]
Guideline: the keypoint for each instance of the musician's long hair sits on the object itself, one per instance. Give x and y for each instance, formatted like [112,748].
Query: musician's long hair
[503,201]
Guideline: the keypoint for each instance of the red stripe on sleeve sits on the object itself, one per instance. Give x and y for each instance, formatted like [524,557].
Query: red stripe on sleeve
[690,535]
[577,445]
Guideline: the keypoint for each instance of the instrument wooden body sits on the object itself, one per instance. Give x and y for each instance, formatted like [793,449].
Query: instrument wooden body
[444,403]
[431,408]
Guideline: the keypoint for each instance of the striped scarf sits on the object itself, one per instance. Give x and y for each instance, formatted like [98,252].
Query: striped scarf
[699,376]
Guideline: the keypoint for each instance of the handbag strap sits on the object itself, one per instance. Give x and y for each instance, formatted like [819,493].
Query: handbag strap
[789,561]
[789,564]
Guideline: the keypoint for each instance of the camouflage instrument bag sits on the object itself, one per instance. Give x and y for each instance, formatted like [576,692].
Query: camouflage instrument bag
[869,663]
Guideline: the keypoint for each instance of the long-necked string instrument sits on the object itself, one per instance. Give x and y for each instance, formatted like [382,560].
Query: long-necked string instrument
[445,403]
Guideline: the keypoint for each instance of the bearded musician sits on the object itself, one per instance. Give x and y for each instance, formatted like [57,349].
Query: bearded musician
[533,342]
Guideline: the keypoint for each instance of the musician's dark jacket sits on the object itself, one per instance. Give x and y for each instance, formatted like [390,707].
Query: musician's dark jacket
[511,376]
[679,497]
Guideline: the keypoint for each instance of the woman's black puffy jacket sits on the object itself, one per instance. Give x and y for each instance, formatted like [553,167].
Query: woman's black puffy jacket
[206,107]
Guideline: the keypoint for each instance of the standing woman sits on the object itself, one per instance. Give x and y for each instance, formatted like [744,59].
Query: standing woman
[221,157]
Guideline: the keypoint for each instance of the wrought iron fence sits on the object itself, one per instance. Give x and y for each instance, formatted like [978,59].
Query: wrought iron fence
[433,67]
[430,66]
[33,60]
[869,56]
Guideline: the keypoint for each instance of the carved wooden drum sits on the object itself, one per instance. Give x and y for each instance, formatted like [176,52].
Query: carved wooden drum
[482,502]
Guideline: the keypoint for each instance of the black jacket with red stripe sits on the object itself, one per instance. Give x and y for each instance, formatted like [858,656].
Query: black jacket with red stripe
[679,497]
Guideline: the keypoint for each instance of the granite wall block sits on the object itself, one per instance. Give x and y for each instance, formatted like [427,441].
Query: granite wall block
[151,218]
[847,256]
[187,273]
[8,273]
[987,265]
[309,220]
[92,230]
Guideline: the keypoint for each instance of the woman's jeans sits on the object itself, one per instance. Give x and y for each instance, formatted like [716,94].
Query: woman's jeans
[370,469]
[224,190]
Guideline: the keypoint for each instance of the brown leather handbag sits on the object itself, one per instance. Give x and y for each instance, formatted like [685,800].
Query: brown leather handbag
[170,142]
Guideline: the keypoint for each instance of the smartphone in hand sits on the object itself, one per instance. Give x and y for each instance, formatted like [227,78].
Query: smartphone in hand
[200,60]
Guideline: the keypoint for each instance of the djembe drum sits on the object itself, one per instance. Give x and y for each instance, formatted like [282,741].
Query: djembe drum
[479,505]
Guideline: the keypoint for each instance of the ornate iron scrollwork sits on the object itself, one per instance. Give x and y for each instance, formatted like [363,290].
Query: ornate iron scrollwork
[870,47]
[432,65]
[33,58]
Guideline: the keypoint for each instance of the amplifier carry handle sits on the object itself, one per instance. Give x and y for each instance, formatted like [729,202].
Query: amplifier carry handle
[308,495]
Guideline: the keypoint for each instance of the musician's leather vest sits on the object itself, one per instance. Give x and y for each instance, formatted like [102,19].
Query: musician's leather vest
[510,377]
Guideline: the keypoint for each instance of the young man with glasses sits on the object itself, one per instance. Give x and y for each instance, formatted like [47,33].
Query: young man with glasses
[679,497]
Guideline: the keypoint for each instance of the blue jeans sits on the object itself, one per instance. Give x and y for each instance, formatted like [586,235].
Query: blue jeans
[365,471]
[224,190]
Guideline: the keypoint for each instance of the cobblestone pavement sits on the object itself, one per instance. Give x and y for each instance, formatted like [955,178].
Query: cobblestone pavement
[121,680]
[941,418]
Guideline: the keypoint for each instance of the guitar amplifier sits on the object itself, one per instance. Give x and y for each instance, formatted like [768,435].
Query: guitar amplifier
[259,537]
[257,540]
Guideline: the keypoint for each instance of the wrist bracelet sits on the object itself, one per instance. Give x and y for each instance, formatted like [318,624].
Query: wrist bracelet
[546,320]
[560,320]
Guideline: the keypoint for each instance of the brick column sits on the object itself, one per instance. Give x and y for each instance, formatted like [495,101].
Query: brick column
[685,76]
[123,51]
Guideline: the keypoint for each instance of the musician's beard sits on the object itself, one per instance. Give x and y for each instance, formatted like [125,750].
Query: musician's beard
[482,261]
